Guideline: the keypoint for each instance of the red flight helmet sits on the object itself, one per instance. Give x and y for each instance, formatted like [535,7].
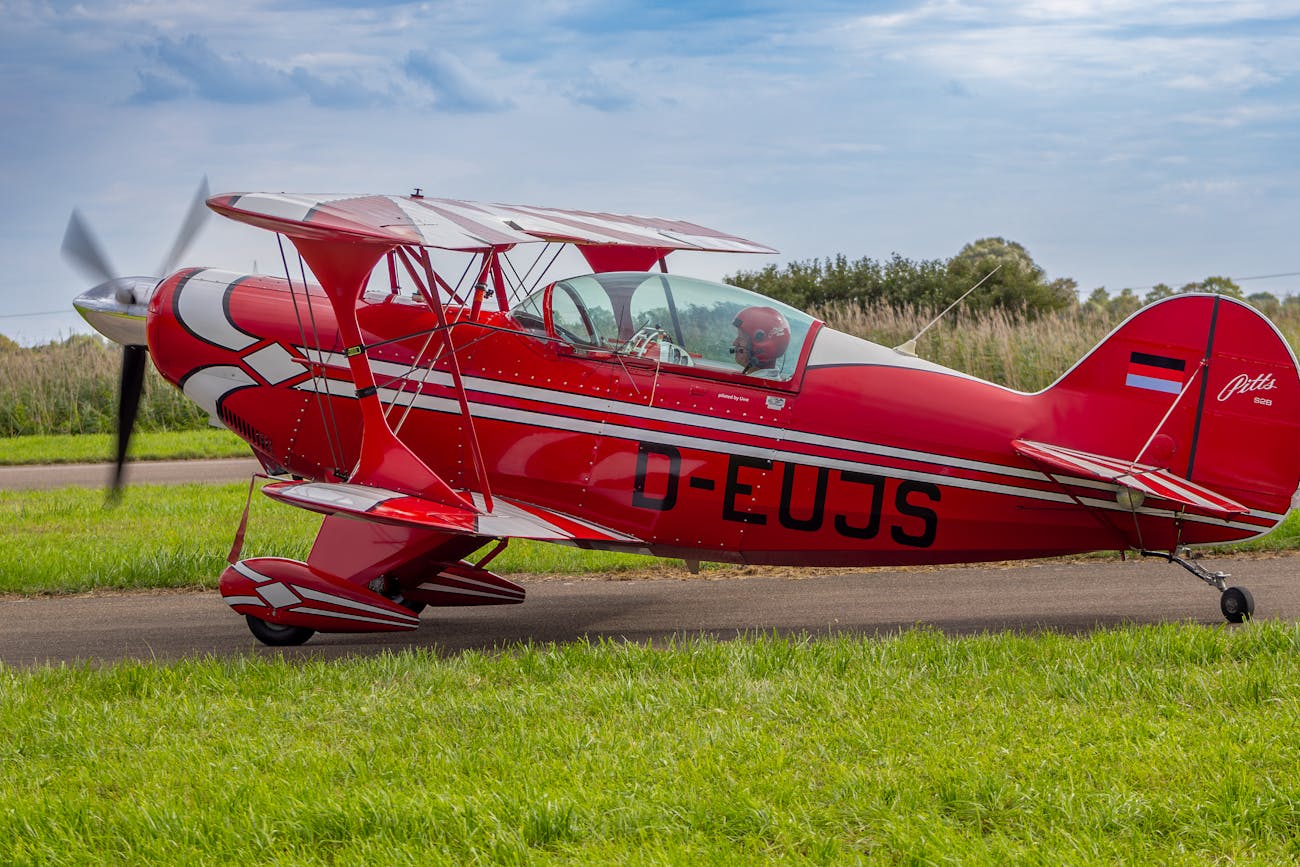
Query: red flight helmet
[766,331]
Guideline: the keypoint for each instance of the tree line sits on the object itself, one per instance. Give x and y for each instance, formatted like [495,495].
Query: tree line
[1012,282]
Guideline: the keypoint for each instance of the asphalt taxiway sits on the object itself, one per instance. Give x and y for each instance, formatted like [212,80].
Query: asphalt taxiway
[1054,595]
[1057,595]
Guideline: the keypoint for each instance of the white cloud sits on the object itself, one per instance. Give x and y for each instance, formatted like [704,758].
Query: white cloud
[455,88]
[1066,44]
[1103,136]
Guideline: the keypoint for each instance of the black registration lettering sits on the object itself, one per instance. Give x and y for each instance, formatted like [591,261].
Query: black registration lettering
[658,479]
[929,519]
[877,483]
[660,502]
[786,511]
[735,487]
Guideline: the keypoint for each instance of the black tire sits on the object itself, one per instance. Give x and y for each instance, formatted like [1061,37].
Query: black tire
[1237,604]
[278,636]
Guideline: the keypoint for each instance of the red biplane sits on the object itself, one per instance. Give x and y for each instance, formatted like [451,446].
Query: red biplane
[638,410]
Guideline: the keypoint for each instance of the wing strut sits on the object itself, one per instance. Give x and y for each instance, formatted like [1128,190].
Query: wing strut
[385,460]
[434,301]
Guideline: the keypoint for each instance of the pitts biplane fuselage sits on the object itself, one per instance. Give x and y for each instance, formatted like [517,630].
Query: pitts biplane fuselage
[607,410]
[868,457]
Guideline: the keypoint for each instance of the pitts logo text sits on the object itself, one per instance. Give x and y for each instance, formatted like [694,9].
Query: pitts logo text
[1243,384]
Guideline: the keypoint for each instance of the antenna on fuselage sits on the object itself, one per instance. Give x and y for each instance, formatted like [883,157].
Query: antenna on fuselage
[909,347]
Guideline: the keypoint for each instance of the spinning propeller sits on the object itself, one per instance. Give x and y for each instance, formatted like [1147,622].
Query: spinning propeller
[117,306]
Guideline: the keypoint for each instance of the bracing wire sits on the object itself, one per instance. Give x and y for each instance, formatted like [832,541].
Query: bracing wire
[312,368]
[311,312]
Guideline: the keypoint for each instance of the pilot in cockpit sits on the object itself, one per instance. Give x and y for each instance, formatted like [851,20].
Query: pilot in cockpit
[762,337]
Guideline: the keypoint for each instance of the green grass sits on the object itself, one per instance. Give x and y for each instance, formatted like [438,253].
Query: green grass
[1169,744]
[68,541]
[145,446]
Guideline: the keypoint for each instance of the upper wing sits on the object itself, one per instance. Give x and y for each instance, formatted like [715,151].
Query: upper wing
[1151,481]
[450,224]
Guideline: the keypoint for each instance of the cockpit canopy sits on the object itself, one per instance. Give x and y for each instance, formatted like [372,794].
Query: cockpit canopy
[666,317]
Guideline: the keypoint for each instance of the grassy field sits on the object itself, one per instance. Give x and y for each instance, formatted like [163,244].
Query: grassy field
[145,446]
[67,541]
[1143,745]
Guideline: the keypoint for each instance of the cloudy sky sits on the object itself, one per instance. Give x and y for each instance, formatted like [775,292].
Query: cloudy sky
[1123,142]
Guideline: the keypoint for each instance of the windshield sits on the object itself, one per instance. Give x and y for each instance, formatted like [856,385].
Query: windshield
[674,320]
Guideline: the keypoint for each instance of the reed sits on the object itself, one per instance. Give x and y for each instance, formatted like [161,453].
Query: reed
[71,387]
[1001,346]
[1020,352]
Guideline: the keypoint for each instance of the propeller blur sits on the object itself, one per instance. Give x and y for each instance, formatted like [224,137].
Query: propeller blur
[117,308]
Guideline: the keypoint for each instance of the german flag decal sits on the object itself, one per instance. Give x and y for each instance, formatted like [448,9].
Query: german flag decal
[1155,372]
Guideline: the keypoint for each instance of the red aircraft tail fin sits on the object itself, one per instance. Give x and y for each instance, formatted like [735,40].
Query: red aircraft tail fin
[1201,386]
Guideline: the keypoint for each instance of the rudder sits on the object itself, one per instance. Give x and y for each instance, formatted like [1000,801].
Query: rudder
[1203,385]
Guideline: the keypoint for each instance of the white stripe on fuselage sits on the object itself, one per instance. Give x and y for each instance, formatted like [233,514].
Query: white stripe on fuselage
[671,416]
[531,418]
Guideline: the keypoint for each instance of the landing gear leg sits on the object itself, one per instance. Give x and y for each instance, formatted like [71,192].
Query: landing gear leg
[1236,603]
[390,589]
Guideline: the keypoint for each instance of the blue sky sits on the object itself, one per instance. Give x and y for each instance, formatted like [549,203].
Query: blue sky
[1122,142]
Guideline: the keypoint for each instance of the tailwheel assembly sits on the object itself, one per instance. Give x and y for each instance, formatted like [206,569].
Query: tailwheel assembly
[1236,603]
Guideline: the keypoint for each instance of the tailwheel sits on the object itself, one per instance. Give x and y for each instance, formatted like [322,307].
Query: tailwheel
[276,635]
[1237,604]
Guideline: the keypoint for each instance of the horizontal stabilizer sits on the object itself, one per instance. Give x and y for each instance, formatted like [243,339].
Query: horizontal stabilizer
[1151,481]
[507,518]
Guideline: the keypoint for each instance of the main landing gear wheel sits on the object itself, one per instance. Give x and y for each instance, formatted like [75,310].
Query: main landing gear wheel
[276,635]
[396,595]
[1237,604]
[392,591]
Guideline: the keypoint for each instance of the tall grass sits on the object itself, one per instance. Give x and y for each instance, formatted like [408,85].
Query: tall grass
[1025,353]
[71,387]
[997,345]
